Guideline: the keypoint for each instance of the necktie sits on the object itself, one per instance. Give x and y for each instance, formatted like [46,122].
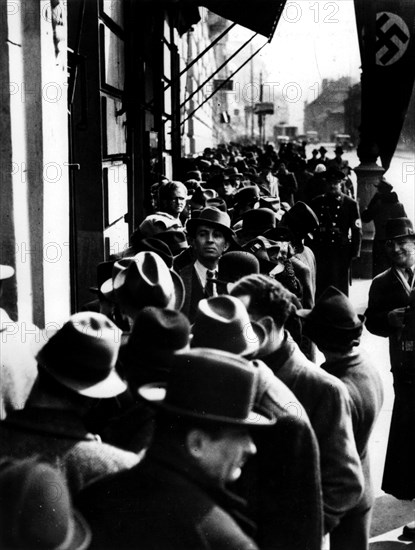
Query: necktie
[209,287]
[409,275]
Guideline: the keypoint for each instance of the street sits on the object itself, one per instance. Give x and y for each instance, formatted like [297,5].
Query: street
[389,514]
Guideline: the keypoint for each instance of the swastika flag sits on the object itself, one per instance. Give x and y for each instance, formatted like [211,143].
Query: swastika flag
[386,30]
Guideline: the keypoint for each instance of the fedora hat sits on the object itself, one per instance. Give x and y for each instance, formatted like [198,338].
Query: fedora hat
[104,273]
[211,217]
[175,239]
[82,355]
[145,280]
[107,287]
[209,385]
[232,172]
[6,271]
[333,320]
[246,195]
[154,244]
[396,228]
[36,509]
[218,203]
[155,223]
[236,264]
[300,219]
[222,322]
[158,330]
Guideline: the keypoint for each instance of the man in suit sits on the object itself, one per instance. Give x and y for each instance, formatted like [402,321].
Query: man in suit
[390,296]
[324,398]
[336,329]
[338,238]
[177,497]
[210,235]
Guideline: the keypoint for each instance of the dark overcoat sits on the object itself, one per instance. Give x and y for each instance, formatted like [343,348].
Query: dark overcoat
[164,503]
[194,291]
[365,388]
[327,404]
[60,438]
[388,292]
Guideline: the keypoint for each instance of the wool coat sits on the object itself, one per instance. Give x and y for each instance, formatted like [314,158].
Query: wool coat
[60,438]
[388,292]
[281,483]
[167,503]
[327,403]
[365,388]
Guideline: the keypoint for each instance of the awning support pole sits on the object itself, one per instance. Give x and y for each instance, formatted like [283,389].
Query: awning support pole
[223,83]
[217,71]
[217,39]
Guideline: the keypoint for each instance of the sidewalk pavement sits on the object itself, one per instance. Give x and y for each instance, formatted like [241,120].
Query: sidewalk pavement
[389,514]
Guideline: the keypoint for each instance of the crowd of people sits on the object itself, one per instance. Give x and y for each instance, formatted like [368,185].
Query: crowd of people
[183,408]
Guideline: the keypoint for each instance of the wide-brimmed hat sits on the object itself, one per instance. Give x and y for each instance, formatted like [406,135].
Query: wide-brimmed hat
[104,273]
[145,280]
[300,219]
[208,385]
[397,228]
[82,355]
[6,271]
[211,217]
[218,203]
[36,509]
[256,222]
[333,320]
[222,322]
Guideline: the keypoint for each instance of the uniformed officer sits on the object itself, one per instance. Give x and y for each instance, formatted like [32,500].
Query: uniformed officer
[338,238]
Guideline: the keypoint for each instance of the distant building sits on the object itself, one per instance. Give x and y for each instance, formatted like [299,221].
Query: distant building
[326,113]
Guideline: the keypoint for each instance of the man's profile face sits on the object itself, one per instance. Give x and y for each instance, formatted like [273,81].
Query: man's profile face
[209,243]
[223,457]
[401,252]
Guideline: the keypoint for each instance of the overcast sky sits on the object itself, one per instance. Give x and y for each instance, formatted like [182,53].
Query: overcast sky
[313,40]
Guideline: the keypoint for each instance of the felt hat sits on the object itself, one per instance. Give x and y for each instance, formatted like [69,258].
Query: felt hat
[36,509]
[155,223]
[158,330]
[334,175]
[208,385]
[146,280]
[82,355]
[397,228]
[236,264]
[246,195]
[255,222]
[211,217]
[218,203]
[231,172]
[333,320]
[222,322]
[175,239]
[156,245]
[300,219]
[104,273]
[6,271]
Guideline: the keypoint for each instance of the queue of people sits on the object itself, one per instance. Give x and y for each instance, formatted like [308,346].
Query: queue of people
[183,407]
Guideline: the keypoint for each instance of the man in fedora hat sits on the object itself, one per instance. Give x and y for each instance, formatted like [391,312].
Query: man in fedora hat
[17,365]
[144,280]
[389,299]
[177,497]
[76,369]
[210,235]
[336,329]
[280,481]
[338,238]
[324,398]
[383,206]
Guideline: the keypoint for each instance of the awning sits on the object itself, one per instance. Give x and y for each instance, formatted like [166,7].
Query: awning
[260,16]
